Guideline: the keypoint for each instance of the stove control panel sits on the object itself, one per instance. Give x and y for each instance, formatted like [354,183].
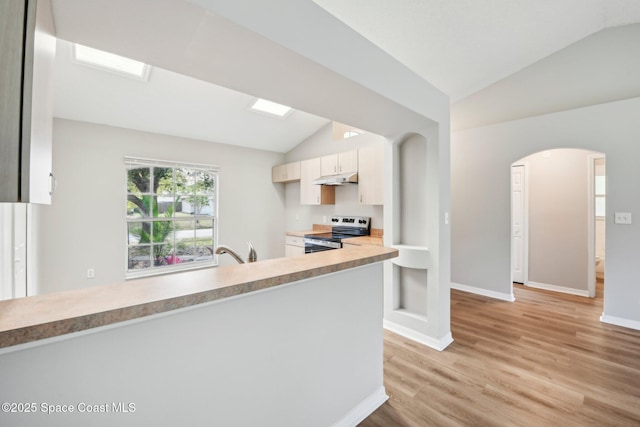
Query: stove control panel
[351,221]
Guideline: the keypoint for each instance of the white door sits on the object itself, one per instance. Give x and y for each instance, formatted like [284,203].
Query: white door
[20,250]
[13,250]
[517,223]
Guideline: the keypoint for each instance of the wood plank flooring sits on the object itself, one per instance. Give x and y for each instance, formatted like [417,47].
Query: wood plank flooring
[544,360]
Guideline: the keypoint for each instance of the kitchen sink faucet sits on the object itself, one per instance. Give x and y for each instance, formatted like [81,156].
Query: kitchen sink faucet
[253,256]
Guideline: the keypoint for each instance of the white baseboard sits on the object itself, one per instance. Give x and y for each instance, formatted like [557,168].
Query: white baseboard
[437,344]
[483,292]
[619,321]
[363,409]
[547,287]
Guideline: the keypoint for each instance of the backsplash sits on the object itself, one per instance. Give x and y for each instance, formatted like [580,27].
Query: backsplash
[300,217]
[375,232]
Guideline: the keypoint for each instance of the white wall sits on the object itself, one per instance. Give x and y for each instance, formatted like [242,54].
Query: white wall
[85,225]
[558,193]
[304,354]
[481,159]
[600,68]
[302,217]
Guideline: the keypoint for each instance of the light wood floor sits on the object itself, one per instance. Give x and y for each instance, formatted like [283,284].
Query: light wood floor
[544,360]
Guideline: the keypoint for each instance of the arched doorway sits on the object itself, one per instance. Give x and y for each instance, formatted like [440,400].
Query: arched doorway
[556,232]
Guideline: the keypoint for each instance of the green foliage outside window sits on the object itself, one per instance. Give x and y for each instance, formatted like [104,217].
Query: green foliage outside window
[170,216]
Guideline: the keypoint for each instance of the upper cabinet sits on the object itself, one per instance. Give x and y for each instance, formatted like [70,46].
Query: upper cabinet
[310,193]
[334,164]
[367,163]
[28,46]
[371,175]
[289,172]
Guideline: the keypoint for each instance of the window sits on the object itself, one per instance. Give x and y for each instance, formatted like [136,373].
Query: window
[171,216]
[270,108]
[110,62]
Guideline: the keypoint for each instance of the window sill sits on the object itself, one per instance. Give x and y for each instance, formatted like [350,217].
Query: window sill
[160,271]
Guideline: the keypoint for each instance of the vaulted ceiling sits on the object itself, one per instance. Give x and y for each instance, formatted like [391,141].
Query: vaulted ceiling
[172,104]
[462,47]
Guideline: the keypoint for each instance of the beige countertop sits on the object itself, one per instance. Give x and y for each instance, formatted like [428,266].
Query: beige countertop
[304,233]
[317,229]
[364,240]
[34,318]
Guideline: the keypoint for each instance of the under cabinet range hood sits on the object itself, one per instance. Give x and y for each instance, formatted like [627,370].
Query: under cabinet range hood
[340,179]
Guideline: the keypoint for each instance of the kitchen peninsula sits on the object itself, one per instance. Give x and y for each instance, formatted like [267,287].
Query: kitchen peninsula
[288,341]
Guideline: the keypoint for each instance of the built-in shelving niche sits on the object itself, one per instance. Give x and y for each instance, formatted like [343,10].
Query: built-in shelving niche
[412,295]
[412,204]
[416,299]
[411,269]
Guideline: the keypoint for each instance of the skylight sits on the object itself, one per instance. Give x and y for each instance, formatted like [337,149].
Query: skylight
[110,62]
[350,133]
[271,108]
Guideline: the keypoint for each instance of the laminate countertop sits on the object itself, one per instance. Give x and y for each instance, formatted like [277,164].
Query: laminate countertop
[363,240]
[303,233]
[39,317]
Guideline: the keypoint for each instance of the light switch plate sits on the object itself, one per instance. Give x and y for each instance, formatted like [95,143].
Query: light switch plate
[622,218]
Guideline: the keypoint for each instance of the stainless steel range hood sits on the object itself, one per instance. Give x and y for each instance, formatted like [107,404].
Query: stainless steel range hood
[340,179]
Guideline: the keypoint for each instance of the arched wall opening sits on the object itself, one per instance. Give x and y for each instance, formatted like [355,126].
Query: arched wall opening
[556,230]
[481,161]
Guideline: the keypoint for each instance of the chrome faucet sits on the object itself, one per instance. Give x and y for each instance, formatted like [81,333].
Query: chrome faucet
[253,256]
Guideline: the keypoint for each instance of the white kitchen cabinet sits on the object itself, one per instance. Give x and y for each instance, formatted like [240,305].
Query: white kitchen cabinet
[310,193]
[289,172]
[371,175]
[26,101]
[294,245]
[334,164]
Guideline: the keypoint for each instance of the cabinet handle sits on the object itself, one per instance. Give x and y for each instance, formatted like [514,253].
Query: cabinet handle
[361,198]
[53,184]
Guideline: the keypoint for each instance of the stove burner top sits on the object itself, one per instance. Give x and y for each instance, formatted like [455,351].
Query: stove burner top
[333,236]
[343,228]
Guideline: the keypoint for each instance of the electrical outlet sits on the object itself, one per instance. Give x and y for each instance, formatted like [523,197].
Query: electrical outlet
[622,218]
[91,273]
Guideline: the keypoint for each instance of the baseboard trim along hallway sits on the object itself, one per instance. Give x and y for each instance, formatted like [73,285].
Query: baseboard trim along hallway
[363,409]
[436,344]
[555,288]
[483,292]
[619,321]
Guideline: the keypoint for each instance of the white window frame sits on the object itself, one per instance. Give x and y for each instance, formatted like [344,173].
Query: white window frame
[132,162]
